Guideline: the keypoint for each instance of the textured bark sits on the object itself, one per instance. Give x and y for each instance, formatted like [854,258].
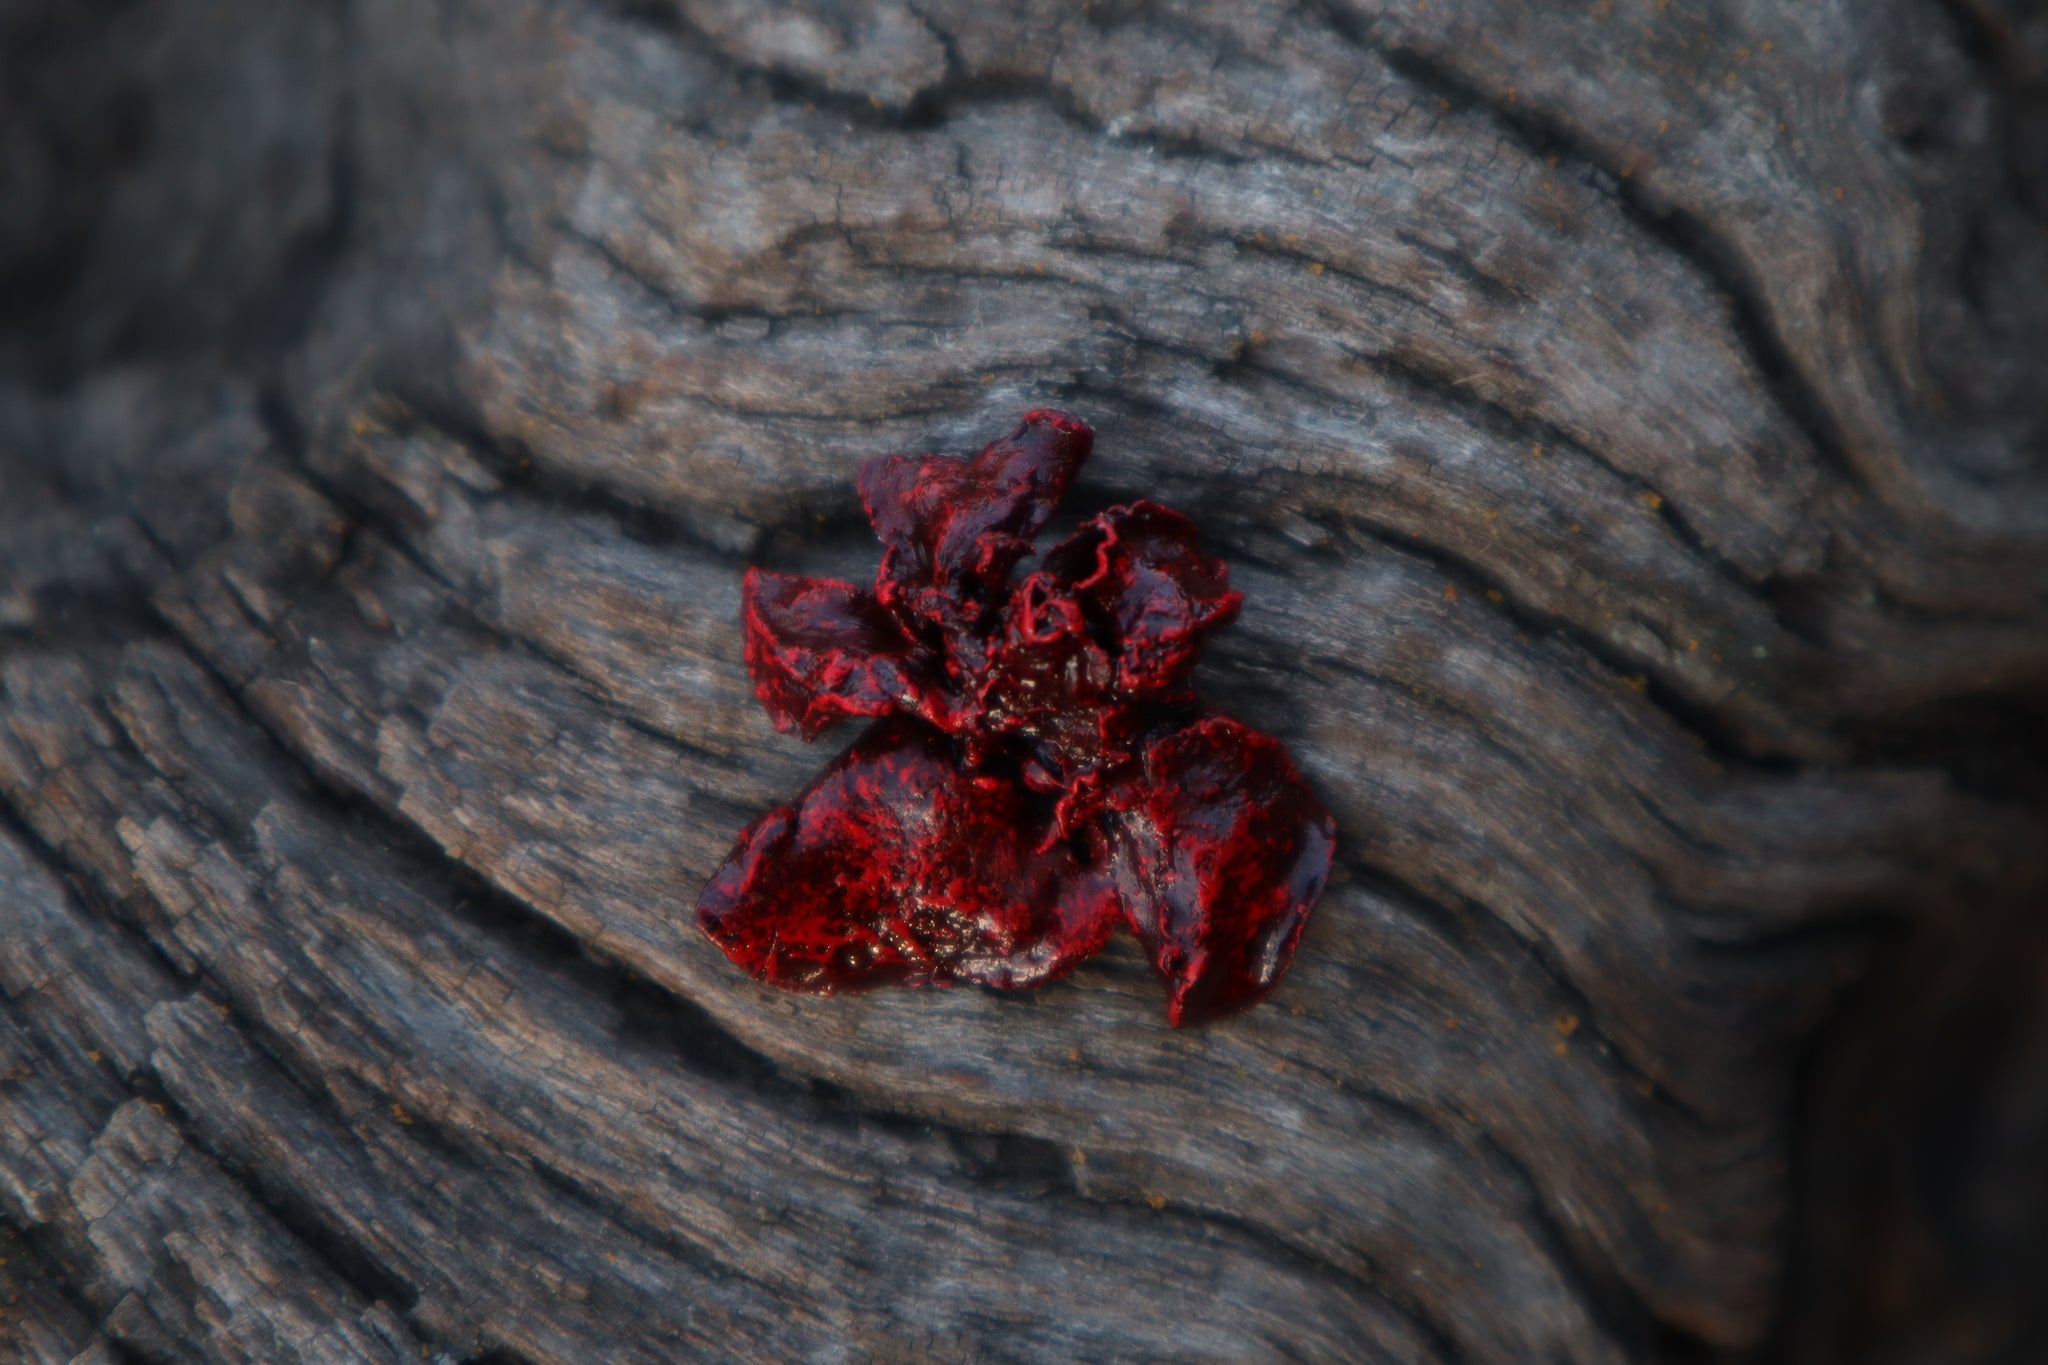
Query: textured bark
[1625,423]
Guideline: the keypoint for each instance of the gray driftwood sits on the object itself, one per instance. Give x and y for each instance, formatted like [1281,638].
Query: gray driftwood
[1626,421]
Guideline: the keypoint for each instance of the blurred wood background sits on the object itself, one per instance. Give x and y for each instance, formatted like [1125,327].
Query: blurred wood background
[1626,420]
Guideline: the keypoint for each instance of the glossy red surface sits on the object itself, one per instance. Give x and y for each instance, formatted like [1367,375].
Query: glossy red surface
[820,650]
[1041,766]
[897,868]
[1218,851]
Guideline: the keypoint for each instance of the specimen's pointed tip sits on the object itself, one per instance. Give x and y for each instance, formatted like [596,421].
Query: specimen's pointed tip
[1055,443]
[1060,420]
[1176,1006]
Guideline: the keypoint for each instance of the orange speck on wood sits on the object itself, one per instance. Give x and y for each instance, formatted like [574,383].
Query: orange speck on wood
[398,1112]
[1637,683]
[1316,268]
[1491,516]
[1450,592]
[1840,192]
[1496,596]
[1567,1024]
[1157,1201]
[1575,528]
[1655,500]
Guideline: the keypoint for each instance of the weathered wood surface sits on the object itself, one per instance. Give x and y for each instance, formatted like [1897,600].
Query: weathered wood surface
[1626,422]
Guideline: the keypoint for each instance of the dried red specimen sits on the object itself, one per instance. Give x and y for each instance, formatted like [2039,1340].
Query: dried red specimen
[1041,768]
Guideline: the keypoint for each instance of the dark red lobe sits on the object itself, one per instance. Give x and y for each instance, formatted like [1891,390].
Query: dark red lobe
[1154,594]
[820,650]
[1219,852]
[953,526]
[897,868]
